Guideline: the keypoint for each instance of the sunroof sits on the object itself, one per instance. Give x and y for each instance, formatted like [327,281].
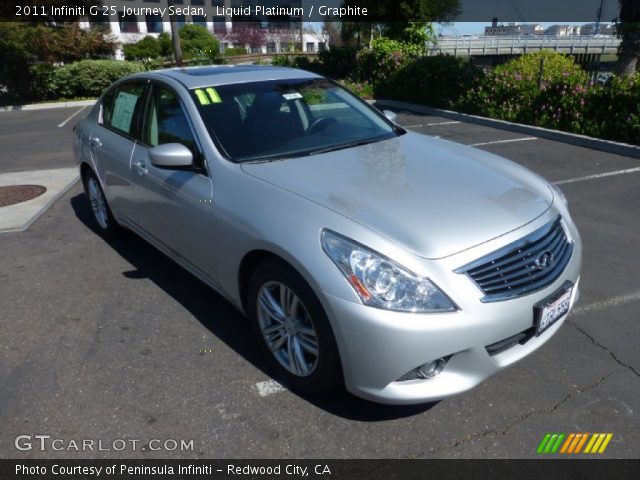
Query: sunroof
[206,71]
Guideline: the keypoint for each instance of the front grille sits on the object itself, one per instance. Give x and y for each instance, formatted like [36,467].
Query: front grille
[522,267]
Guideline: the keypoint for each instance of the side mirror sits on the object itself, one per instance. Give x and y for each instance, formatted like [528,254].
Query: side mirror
[171,155]
[390,115]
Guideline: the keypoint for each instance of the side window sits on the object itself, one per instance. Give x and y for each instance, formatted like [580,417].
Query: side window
[125,103]
[106,107]
[166,121]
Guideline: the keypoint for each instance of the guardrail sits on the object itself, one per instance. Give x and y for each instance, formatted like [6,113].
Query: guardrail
[517,45]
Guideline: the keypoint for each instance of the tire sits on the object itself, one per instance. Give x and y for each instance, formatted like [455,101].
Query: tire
[102,215]
[289,340]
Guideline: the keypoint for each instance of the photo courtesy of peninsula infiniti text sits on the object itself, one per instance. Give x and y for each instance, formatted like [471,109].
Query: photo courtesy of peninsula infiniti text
[406,267]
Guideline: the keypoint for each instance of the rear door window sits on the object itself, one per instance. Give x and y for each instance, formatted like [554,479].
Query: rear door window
[126,103]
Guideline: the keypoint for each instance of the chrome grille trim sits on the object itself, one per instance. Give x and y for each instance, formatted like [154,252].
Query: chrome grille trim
[512,271]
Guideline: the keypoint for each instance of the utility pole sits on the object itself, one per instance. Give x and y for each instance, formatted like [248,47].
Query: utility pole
[599,18]
[175,36]
[301,34]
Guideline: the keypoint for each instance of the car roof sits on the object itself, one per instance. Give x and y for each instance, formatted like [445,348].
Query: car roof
[212,75]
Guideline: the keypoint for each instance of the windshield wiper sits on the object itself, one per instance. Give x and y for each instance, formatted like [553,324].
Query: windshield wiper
[306,153]
[342,146]
[273,157]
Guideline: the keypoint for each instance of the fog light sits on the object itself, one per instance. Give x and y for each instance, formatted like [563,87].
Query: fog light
[431,369]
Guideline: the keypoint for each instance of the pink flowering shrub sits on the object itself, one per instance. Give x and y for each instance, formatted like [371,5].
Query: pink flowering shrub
[378,63]
[511,91]
[564,99]
[362,89]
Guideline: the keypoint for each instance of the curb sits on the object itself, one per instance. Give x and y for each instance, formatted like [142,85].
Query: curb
[47,106]
[42,210]
[608,146]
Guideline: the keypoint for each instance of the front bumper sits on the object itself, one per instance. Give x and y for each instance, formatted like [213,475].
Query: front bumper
[378,347]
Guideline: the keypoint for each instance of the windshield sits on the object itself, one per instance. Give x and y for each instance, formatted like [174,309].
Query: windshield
[287,118]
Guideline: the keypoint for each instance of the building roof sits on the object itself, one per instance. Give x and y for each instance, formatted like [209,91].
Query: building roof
[212,75]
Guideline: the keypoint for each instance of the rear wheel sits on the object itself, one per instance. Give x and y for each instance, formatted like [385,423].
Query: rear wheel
[99,206]
[292,329]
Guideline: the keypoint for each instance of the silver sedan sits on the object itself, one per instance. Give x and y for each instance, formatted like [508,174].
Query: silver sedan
[407,267]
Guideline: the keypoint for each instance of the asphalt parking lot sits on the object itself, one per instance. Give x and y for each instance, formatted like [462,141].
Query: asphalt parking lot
[112,340]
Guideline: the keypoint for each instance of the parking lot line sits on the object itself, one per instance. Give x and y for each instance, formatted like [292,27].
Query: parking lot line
[524,139]
[65,121]
[269,388]
[430,124]
[598,175]
[608,303]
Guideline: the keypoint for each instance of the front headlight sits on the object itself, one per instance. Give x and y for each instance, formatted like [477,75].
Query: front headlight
[381,282]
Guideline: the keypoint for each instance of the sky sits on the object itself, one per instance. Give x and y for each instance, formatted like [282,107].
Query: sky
[477,28]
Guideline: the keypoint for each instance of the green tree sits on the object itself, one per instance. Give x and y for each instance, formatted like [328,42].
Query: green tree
[197,43]
[23,44]
[145,49]
[629,29]
[164,42]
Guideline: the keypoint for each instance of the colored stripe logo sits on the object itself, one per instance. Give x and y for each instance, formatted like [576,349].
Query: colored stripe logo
[574,443]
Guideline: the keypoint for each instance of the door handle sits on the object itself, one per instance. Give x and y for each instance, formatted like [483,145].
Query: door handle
[139,166]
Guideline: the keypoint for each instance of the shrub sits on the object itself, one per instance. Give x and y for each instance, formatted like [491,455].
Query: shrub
[88,78]
[338,62]
[147,48]
[563,99]
[510,91]
[438,81]
[527,67]
[166,44]
[198,44]
[560,105]
[613,110]
[361,89]
[232,51]
[302,62]
[40,78]
[378,63]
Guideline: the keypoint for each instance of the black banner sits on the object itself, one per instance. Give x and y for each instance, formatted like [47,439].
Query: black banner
[320,469]
[313,10]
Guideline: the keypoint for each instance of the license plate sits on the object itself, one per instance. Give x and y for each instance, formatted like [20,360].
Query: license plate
[551,309]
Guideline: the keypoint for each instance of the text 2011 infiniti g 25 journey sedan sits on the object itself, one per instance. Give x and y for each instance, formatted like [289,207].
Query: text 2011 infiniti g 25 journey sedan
[408,267]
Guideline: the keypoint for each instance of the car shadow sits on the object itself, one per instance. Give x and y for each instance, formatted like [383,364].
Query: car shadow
[224,321]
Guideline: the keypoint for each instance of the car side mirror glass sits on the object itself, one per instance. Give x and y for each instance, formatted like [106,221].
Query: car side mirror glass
[390,115]
[171,155]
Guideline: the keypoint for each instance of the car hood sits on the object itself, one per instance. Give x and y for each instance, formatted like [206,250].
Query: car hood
[431,196]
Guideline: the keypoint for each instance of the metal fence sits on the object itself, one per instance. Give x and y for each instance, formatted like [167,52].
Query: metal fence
[517,45]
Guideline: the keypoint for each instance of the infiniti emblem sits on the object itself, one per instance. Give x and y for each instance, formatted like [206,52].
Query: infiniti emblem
[544,261]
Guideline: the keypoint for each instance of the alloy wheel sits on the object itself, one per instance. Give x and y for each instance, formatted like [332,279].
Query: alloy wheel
[98,203]
[287,329]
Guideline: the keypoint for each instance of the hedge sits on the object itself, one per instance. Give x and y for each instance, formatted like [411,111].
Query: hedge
[233,51]
[84,79]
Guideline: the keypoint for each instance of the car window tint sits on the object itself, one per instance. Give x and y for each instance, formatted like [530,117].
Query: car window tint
[124,107]
[166,121]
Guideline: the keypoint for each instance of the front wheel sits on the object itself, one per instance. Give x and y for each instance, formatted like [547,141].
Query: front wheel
[101,211]
[292,329]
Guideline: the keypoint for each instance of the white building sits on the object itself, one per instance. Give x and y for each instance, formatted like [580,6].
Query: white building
[277,34]
[563,30]
[513,29]
[605,29]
